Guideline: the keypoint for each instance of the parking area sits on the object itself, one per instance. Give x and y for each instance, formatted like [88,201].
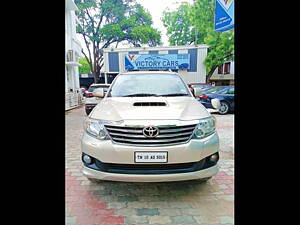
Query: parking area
[116,203]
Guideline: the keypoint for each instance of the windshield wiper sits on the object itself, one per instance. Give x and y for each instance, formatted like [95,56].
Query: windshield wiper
[139,95]
[175,94]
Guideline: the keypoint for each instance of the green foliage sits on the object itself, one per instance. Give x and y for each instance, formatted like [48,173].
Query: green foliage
[144,35]
[181,25]
[178,24]
[221,49]
[104,22]
[85,66]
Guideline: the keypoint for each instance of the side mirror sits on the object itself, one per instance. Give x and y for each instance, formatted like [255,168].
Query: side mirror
[197,92]
[216,103]
[98,92]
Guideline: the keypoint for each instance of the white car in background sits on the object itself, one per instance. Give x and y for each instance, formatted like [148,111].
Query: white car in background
[90,100]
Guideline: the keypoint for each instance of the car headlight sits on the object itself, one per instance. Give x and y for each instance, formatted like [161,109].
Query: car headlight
[205,127]
[96,128]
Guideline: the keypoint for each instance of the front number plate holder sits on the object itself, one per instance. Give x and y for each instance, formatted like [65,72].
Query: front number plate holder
[151,157]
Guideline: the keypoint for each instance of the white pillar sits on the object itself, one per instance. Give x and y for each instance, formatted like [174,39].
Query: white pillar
[73,79]
[77,84]
[66,79]
[105,77]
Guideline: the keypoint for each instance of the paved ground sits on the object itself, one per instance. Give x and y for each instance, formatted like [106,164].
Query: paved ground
[116,203]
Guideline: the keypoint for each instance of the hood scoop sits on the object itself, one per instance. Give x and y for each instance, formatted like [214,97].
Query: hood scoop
[149,104]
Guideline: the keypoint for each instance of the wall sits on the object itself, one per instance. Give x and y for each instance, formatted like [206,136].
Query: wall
[222,77]
[72,98]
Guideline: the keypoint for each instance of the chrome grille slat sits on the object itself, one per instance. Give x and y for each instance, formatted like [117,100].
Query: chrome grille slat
[157,137]
[162,131]
[125,130]
[153,140]
[133,135]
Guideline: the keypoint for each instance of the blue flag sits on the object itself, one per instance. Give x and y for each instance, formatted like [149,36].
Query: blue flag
[224,15]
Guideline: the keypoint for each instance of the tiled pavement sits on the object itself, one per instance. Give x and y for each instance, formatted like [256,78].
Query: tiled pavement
[116,203]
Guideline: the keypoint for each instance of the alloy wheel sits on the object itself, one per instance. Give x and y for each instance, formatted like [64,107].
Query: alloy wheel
[224,108]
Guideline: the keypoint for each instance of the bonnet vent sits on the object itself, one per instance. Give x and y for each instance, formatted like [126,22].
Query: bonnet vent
[149,104]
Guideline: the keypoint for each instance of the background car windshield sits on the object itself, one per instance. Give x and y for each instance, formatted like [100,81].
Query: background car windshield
[92,88]
[215,90]
[200,86]
[231,91]
[148,84]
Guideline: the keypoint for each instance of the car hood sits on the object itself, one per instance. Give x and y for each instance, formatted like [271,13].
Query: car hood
[122,108]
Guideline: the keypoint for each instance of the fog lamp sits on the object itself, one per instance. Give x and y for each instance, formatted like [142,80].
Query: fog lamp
[214,157]
[87,159]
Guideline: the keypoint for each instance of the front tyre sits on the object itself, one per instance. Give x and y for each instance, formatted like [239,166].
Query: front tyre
[224,108]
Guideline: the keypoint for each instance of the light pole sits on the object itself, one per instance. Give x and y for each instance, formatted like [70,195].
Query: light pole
[196,34]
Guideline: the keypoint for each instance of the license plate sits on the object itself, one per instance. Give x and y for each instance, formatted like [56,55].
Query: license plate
[150,157]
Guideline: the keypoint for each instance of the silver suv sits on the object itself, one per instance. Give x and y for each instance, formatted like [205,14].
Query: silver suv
[149,128]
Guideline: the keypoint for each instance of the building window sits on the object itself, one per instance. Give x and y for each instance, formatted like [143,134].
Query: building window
[227,68]
[220,69]
[68,74]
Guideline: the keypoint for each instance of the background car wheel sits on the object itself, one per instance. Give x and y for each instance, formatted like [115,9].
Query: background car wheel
[224,108]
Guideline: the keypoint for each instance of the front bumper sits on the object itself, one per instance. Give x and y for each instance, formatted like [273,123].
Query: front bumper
[108,152]
[149,177]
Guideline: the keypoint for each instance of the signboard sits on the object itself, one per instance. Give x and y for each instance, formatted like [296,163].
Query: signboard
[157,61]
[224,15]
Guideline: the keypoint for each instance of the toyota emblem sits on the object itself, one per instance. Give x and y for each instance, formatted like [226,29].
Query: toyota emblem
[150,131]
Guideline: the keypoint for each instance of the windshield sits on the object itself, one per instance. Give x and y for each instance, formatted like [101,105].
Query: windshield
[140,85]
[92,88]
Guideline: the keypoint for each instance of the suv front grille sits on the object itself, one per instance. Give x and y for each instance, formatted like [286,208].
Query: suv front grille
[134,135]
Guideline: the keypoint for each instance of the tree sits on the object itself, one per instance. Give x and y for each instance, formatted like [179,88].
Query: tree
[107,22]
[178,24]
[182,24]
[85,66]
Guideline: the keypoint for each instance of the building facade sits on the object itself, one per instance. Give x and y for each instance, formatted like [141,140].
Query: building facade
[188,61]
[72,53]
[223,75]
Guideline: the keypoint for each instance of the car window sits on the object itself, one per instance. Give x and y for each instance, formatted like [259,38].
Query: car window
[231,91]
[92,88]
[207,88]
[223,91]
[202,87]
[215,90]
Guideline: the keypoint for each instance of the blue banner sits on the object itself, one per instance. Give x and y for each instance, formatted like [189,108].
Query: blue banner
[157,61]
[224,15]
